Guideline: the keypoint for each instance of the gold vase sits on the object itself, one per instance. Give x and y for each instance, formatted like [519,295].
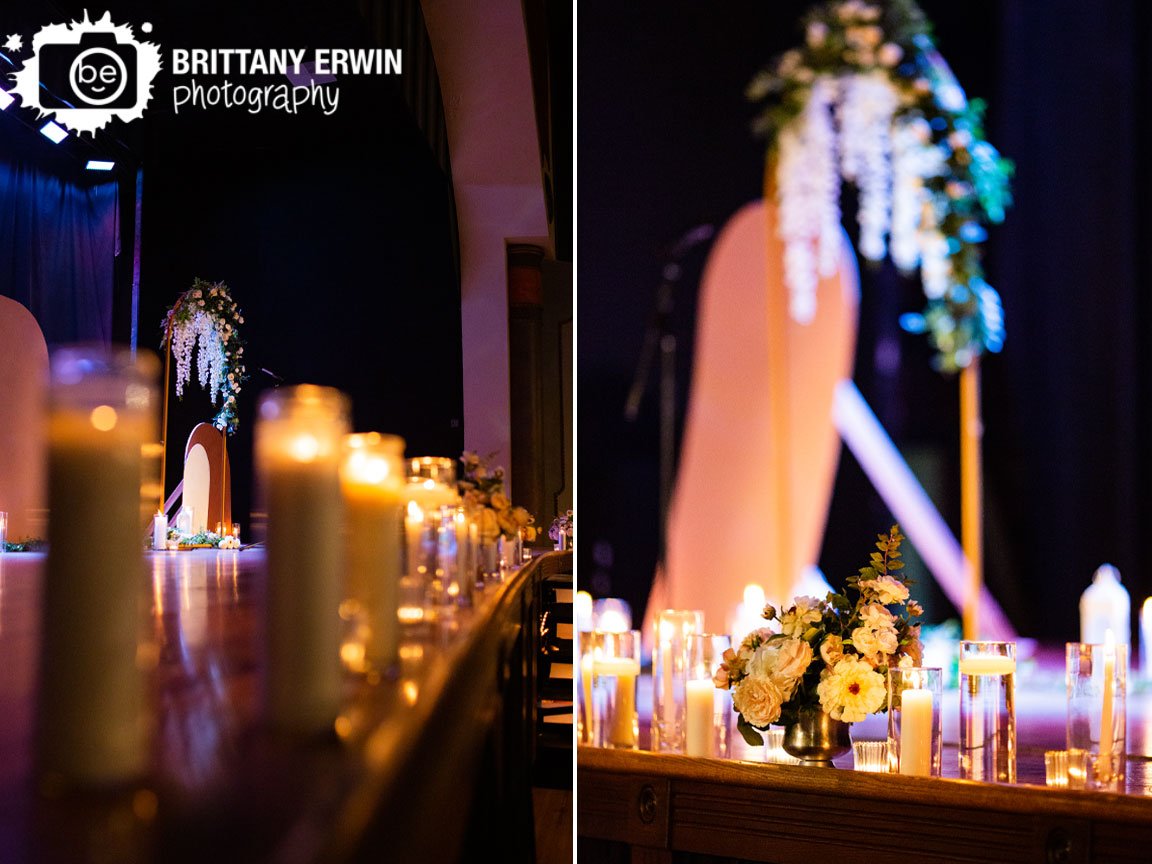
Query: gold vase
[816,738]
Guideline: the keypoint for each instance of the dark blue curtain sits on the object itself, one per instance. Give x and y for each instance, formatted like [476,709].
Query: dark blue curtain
[57,247]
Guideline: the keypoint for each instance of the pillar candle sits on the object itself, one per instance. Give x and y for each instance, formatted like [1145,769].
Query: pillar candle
[159,531]
[91,723]
[1106,731]
[1146,639]
[916,732]
[586,692]
[622,731]
[298,446]
[372,483]
[698,722]
[414,537]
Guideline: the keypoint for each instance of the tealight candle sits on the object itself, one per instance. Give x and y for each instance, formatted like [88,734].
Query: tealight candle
[91,724]
[372,481]
[299,437]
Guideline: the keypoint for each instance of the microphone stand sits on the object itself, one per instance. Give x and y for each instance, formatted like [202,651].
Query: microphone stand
[659,337]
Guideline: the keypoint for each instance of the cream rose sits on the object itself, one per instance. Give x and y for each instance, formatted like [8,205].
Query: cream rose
[875,645]
[792,661]
[832,650]
[758,700]
[886,589]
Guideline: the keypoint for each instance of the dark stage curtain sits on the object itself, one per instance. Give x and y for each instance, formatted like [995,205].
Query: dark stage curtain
[57,249]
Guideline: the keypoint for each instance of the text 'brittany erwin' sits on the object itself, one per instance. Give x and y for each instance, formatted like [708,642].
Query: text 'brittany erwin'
[279,61]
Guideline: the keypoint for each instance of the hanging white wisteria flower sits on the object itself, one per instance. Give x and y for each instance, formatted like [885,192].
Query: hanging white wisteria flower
[868,99]
[809,196]
[205,320]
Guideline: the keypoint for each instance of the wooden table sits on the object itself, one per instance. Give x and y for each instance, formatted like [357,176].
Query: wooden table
[430,762]
[639,806]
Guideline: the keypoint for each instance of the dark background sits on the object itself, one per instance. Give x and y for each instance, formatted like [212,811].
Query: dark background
[664,141]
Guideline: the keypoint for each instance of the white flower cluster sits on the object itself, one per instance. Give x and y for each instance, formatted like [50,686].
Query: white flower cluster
[914,159]
[815,153]
[865,112]
[808,191]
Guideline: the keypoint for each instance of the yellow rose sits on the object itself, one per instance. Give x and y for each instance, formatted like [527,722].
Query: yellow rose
[489,526]
[507,522]
[500,501]
[522,517]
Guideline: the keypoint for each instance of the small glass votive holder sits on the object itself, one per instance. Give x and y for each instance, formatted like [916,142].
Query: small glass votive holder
[1056,768]
[670,676]
[707,706]
[1097,680]
[615,671]
[774,751]
[871,756]
[988,711]
[915,740]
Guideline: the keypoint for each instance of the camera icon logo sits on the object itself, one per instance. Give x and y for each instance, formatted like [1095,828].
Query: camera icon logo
[88,72]
[98,72]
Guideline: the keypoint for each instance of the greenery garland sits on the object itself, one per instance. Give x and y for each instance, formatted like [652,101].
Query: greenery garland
[207,316]
[962,196]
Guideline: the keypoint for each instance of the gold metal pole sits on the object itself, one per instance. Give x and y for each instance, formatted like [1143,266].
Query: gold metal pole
[164,421]
[971,495]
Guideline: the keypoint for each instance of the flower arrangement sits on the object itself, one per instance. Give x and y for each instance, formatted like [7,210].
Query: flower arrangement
[562,526]
[867,99]
[207,319]
[830,653]
[482,489]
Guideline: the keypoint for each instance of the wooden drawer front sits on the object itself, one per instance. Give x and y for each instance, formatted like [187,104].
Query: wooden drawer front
[628,809]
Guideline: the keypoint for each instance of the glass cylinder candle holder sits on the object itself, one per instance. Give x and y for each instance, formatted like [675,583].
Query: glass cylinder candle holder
[670,676]
[615,671]
[372,482]
[915,739]
[707,707]
[430,531]
[611,614]
[1097,683]
[91,721]
[988,711]
[299,444]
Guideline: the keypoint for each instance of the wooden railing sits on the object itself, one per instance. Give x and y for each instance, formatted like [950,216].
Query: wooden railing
[431,763]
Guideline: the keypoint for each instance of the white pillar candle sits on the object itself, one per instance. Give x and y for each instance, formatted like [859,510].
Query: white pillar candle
[91,723]
[159,531]
[414,538]
[699,719]
[622,729]
[916,732]
[586,692]
[1106,731]
[987,664]
[298,447]
[372,481]
[1146,639]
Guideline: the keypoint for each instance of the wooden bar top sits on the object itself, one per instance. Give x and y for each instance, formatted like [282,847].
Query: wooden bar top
[398,774]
